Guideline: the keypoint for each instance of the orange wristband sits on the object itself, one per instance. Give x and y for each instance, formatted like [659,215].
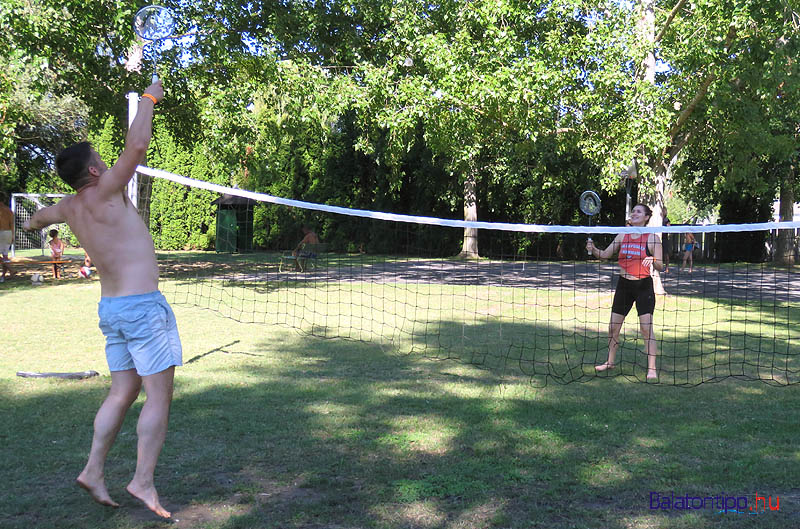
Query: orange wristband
[151,98]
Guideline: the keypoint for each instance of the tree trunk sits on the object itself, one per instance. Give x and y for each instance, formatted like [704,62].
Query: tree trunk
[470,247]
[784,253]
[647,32]
[134,57]
[654,196]
[656,202]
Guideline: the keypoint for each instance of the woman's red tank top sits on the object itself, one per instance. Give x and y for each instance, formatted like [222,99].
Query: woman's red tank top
[631,254]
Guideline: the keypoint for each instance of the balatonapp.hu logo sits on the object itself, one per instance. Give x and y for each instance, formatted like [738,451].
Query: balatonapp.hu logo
[721,503]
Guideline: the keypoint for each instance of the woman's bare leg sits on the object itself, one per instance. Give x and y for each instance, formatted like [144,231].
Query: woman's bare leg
[614,327]
[650,346]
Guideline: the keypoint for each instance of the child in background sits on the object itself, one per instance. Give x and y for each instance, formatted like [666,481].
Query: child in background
[56,252]
[86,270]
[689,243]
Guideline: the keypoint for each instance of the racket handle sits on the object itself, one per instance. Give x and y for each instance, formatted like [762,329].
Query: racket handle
[589,252]
[155,78]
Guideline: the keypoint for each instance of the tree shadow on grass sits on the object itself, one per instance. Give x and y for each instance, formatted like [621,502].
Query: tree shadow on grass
[342,434]
[739,313]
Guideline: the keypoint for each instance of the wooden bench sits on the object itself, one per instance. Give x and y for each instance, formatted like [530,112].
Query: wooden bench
[306,256]
[60,263]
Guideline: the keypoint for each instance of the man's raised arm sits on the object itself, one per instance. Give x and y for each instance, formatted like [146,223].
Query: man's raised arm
[45,217]
[136,143]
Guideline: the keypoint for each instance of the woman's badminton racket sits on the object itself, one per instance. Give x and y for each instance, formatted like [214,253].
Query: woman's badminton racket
[589,204]
[154,23]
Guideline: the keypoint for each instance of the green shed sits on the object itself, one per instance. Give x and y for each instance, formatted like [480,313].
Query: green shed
[234,224]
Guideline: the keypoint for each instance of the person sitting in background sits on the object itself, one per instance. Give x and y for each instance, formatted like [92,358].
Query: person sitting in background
[309,237]
[86,268]
[56,252]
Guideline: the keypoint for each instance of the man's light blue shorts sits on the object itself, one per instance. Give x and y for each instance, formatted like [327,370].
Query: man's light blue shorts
[141,332]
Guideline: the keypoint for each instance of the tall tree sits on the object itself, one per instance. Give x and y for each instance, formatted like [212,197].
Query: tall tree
[747,146]
[479,76]
[479,84]
[688,55]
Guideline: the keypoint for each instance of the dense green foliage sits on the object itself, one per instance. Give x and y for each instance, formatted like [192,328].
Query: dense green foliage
[180,219]
[493,110]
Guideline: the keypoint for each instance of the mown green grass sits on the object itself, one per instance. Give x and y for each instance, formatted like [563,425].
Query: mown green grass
[274,428]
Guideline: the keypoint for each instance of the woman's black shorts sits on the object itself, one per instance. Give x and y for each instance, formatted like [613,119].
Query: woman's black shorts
[634,290]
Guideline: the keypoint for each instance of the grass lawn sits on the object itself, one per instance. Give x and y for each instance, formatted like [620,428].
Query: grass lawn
[275,429]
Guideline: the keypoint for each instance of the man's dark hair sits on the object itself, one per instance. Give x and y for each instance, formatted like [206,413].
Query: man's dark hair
[72,164]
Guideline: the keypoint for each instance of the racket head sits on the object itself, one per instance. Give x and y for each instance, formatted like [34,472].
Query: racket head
[590,203]
[154,22]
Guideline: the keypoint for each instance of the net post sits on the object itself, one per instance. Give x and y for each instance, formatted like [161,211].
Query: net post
[14,213]
[133,183]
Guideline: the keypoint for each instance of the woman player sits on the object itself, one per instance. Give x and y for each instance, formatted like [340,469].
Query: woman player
[638,254]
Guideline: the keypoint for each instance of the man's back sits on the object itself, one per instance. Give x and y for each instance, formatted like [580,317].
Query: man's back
[111,231]
[310,238]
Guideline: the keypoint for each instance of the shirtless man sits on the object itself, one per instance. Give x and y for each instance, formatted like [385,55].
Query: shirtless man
[142,342]
[309,237]
[6,238]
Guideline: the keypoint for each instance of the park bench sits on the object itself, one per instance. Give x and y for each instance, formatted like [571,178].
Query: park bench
[306,256]
[59,262]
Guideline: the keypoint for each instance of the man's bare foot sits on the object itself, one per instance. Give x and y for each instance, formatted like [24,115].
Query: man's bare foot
[607,366]
[652,374]
[149,497]
[96,489]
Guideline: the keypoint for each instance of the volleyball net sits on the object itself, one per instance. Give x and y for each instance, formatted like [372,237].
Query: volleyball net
[529,303]
[23,206]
